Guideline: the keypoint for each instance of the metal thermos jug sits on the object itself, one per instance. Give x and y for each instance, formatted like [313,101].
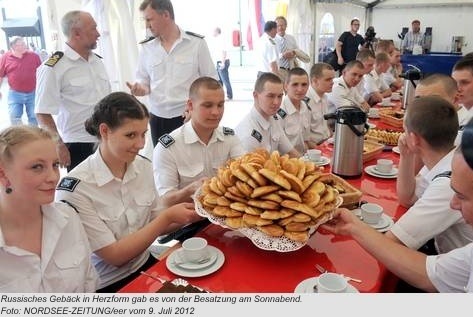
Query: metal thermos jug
[411,77]
[350,128]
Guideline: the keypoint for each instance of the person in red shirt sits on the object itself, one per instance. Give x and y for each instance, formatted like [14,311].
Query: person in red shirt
[19,65]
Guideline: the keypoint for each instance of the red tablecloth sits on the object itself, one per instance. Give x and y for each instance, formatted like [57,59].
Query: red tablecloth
[250,269]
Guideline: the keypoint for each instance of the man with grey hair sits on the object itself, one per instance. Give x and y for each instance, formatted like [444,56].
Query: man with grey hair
[19,65]
[70,83]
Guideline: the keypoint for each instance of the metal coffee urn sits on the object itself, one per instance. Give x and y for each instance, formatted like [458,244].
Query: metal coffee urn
[411,76]
[350,128]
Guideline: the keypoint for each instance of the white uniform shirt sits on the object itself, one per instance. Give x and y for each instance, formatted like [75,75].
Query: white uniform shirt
[170,74]
[70,89]
[181,158]
[373,83]
[64,265]
[255,132]
[295,123]
[451,272]
[343,96]
[111,208]
[267,53]
[464,115]
[431,215]
[319,129]
[389,76]
[291,44]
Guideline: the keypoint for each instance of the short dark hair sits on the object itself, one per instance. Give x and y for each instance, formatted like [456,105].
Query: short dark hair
[316,71]
[296,71]
[264,78]
[206,82]
[113,110]
[159,6]
[269,25]
[464,63]
[415,21]
[364,54]
[466,145]
[354,20]
[434,119]
[354,63]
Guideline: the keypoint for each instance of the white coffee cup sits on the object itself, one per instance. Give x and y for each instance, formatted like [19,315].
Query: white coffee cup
[314,155]
[374,112]
[386,101]
[331,283]
[194,250]
[384,165]
[371,213]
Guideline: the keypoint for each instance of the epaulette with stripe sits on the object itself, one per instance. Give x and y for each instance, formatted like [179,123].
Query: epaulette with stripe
[228,131]
[54,59]
[144,157]
[195,34]
[166,140]
[146,40]
[282,113]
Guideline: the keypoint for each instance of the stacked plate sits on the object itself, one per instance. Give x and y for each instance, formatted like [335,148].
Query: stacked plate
[383,225]
[373,171]
[203,267]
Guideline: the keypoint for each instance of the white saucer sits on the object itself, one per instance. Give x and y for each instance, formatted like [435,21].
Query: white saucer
[384,222]
[371,171]
[179,270]
[192,265]
[373,116]
[330,140]
[322,162]
[307,286]
[396,150]
[371,125]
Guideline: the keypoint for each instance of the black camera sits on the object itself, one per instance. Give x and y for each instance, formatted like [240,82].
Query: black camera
[370,33]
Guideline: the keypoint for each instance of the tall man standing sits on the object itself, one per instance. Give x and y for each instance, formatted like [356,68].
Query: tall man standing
[218,50]
[414,38]
[20,65]
[348,44]
[169,62]
[70,83]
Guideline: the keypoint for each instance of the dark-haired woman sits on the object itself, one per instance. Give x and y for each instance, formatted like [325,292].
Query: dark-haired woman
[113,191]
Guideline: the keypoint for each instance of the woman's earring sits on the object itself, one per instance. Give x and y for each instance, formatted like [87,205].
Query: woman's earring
[8,190]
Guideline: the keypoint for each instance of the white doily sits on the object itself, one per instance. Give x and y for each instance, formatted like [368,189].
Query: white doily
[260,239]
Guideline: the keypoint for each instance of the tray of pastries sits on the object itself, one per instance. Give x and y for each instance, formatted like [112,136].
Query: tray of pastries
[275,201]
[371,148]
[350,195]
[387,137]
[392,117]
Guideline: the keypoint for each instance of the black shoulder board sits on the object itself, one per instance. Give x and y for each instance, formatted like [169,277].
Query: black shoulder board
[70,205]
[282,113]
[306,101]
[272,41]
[460,128]
[144,157]
[341,85]
[68,183]
[228,131]
[166,140]
[54,59]
[195,34]
[98,55]
[444,174]
[146,40]
[275,117]
[257,135]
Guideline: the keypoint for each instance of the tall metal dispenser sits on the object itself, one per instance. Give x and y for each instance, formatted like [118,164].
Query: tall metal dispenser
[350,128]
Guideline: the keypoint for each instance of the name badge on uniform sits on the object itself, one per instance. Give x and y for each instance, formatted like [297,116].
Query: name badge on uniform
[166,140]
[257,135]
[282,113]
[68,183]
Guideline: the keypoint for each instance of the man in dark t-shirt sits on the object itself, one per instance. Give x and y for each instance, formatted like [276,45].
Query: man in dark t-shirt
[348,44]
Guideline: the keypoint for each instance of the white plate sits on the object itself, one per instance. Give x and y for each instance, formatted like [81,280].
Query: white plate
[388,227]
[322,162]
[307,286]
[370,170]
[396,150]
[373,116]
[372,125]
[330,140]
[391,173]
[196,273]
[192,265]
